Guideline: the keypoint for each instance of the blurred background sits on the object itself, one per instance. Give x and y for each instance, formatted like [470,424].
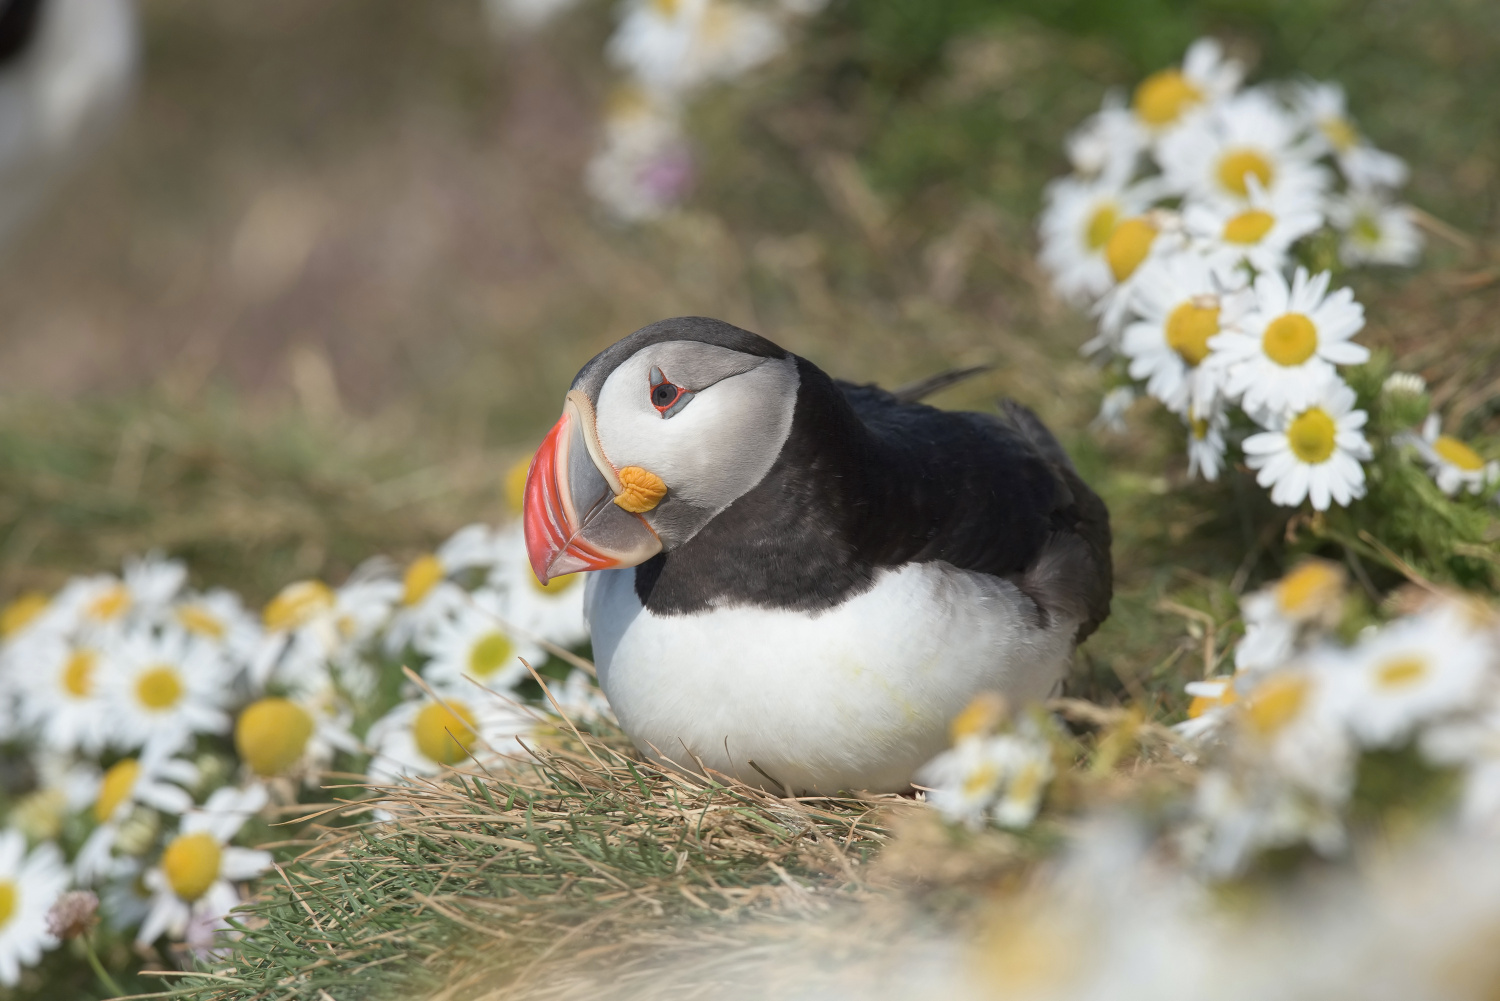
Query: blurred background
[327,275]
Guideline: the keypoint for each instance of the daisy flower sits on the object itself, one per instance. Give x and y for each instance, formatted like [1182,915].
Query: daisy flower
[1453,464]
[1414,670]
[1205,441]
[105,601]
[644,168]
[1003,777]
[309,626]
[673,46]
[1208,710]
[1076,226]
[61,691]
[1375,230]
[1113,407]
[423,737]
[25,614]
[1284,352]
[1181,306]
[1290,720]
[194,879]
[29,885]
[429,596]
[553,611]
[1322,106]
[156,779]
[1136,243]
[475,646]
[1313,452]
[299,734]
[1170,98]
[219,617]
[1240,814]
[1248,137]
[1109,144]
[167,687]
[1312,594]
[1258,234]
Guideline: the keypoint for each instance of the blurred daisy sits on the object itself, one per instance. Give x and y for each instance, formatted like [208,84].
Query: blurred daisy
[1454,464]
[673,46]
[1113,407]
[1375,230]
[429,595]
[1003,777]
[24,615]
[1242,813]
[296,735]
[1412,671]
[144,593]
[1080,217]
[553,611]
[1205,441]
[166,687]
[62,693]
[156,780]
[29,885]
[219,617]
[475,646]
[1322,106]
[1290,719]
[1313,452]
[1136,243]
[1311,594]
[309,626]
[644,167]
[1284,352]
[1109,144]
[1208,710]
[1169,98]
[194,879]
[1258,234]
[1248,138]
[423,737]
[1181,307]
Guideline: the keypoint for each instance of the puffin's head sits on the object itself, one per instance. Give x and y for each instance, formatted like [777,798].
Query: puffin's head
[659,432]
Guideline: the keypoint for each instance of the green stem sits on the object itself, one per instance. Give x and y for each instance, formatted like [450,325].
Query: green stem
[109,982]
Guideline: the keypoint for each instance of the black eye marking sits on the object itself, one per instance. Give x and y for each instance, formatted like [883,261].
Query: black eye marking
[667,397]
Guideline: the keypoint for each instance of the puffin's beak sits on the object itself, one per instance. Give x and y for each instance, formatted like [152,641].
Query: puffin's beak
[571,520]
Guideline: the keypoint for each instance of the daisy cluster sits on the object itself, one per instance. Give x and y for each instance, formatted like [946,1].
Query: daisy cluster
[668,51]
[155,720]
[1184,227]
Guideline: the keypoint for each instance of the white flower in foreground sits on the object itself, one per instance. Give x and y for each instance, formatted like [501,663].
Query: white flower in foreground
[1314,452]
[1181,307]
[166,687]
[104,601]
[552,612]
[1322,106]
[29,886]
[1310,595]
[1077,224]
[219,617]
[673,46]
[423,737]
[476,647]
[1259,234]
[294,735]
[1170,98]
[60,683]
[156,780]
[26,615]
[309,626]
[1453,464]
[1246,140]
[1375,230]
[644,168]
[1109,143]
[1241,814]
[194,880]
[1205,442]
[1412,671]
[429,595]
[1003,777]
[1283,354]
[1291,719]
[1113,407]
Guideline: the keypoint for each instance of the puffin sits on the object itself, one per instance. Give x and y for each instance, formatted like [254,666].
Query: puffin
[796,581]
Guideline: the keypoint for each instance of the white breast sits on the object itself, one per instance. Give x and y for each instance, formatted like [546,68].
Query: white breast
[855,698]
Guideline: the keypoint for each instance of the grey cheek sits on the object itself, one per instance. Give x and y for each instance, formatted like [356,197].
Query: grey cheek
[682,401]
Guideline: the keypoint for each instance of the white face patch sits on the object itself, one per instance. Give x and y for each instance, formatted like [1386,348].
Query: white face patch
[720,443]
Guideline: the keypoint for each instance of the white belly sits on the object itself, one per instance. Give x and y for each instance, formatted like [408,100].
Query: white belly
[855,698]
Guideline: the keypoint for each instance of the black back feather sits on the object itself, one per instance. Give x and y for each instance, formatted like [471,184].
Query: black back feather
[18,22]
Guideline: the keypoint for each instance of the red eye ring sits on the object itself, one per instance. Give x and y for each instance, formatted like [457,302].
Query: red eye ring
[664,394]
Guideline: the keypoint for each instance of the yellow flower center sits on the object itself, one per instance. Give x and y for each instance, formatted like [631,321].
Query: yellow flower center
[297,605]
[115,788]
[1199,427]
[557,585]
[1340,133]
[1366,230]
[980,781]
[443,736]
[515,484]
[1290,339]
[191,864]
[1249,227]
[491,652]
[1310,436]
[665,8]
[1458,454]
[1027,784]
[271,735]
[1401,672]
[22,612]
[78,673]
[110,604]
[1236,164]
[421,577]
[200,621]
[159,687]
[983,713]
[1163,96]
[1189,328]
[1101,225]
[10,896]
[1310,587]
[1276,703]
[1128,246]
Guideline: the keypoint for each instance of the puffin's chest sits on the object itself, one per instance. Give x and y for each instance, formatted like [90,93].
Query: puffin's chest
[854,697]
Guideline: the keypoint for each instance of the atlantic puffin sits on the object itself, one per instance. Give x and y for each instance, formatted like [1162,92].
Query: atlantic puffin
[797,581]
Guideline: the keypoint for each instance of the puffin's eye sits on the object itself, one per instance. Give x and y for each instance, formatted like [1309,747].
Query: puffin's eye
[664,395]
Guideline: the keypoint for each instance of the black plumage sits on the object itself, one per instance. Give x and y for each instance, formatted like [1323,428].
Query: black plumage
[18,24]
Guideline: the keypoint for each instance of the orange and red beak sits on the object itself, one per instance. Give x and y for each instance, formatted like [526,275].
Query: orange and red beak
[569,515]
